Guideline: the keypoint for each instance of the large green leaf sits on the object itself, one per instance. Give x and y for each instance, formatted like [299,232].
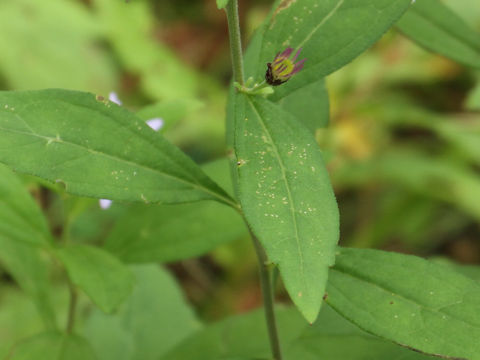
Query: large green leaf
[331,33]
[408,300]
[53,346]
[245,337]
[153,320]
[151,233]
[434,26]
[287,198]
[96,148]
[101,275]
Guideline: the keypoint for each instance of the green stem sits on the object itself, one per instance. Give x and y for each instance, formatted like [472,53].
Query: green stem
[71,308]
[265,269]
[235,40]
[268,297]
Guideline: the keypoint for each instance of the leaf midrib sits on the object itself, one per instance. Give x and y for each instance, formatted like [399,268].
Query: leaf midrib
[287,186]
[127,162]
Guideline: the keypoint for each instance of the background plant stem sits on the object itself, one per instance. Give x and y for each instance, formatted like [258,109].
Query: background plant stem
[71,308]
[235,40]
[268,298]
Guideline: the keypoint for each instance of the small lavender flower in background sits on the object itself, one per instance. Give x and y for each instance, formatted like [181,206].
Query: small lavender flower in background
[113,97]
[155,123]
[283,68]
[105,203]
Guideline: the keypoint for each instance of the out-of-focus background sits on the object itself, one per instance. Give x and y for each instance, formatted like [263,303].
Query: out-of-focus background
[403,143]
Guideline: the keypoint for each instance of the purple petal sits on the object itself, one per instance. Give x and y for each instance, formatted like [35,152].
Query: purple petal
[296,55]
[113,97]
[105,203]
[287,52]
[155,123]
[298,66]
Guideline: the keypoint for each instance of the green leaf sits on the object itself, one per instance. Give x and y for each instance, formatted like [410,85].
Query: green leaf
[331,33]
[153,320]
[349,347]
[408,300]
[22,229]
[103,277]
[473,100]
[238,336]
[26,265]
[222,3]
[470,271]
[53,346]
[310,105]
[245,336]
[174,232]
[22,220]
[434,26]
[19,318]
[287,198]
[96,148]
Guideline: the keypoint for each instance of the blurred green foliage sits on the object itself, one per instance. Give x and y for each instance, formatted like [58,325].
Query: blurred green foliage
[403,148]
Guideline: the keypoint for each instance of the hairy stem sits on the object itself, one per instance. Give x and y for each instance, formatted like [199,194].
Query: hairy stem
[235,40]
[268,297]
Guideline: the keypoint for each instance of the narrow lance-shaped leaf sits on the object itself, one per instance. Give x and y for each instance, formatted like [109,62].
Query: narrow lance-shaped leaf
[96,148]
[102,276]
[408,300]
[331,33]
[287,198]
[434,26]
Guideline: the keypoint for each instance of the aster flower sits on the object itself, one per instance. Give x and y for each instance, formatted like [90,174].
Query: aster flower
[283,67]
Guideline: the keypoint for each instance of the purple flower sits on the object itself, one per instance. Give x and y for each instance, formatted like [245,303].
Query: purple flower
[113,97]
[283,67]
[105,203]
[155,123]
